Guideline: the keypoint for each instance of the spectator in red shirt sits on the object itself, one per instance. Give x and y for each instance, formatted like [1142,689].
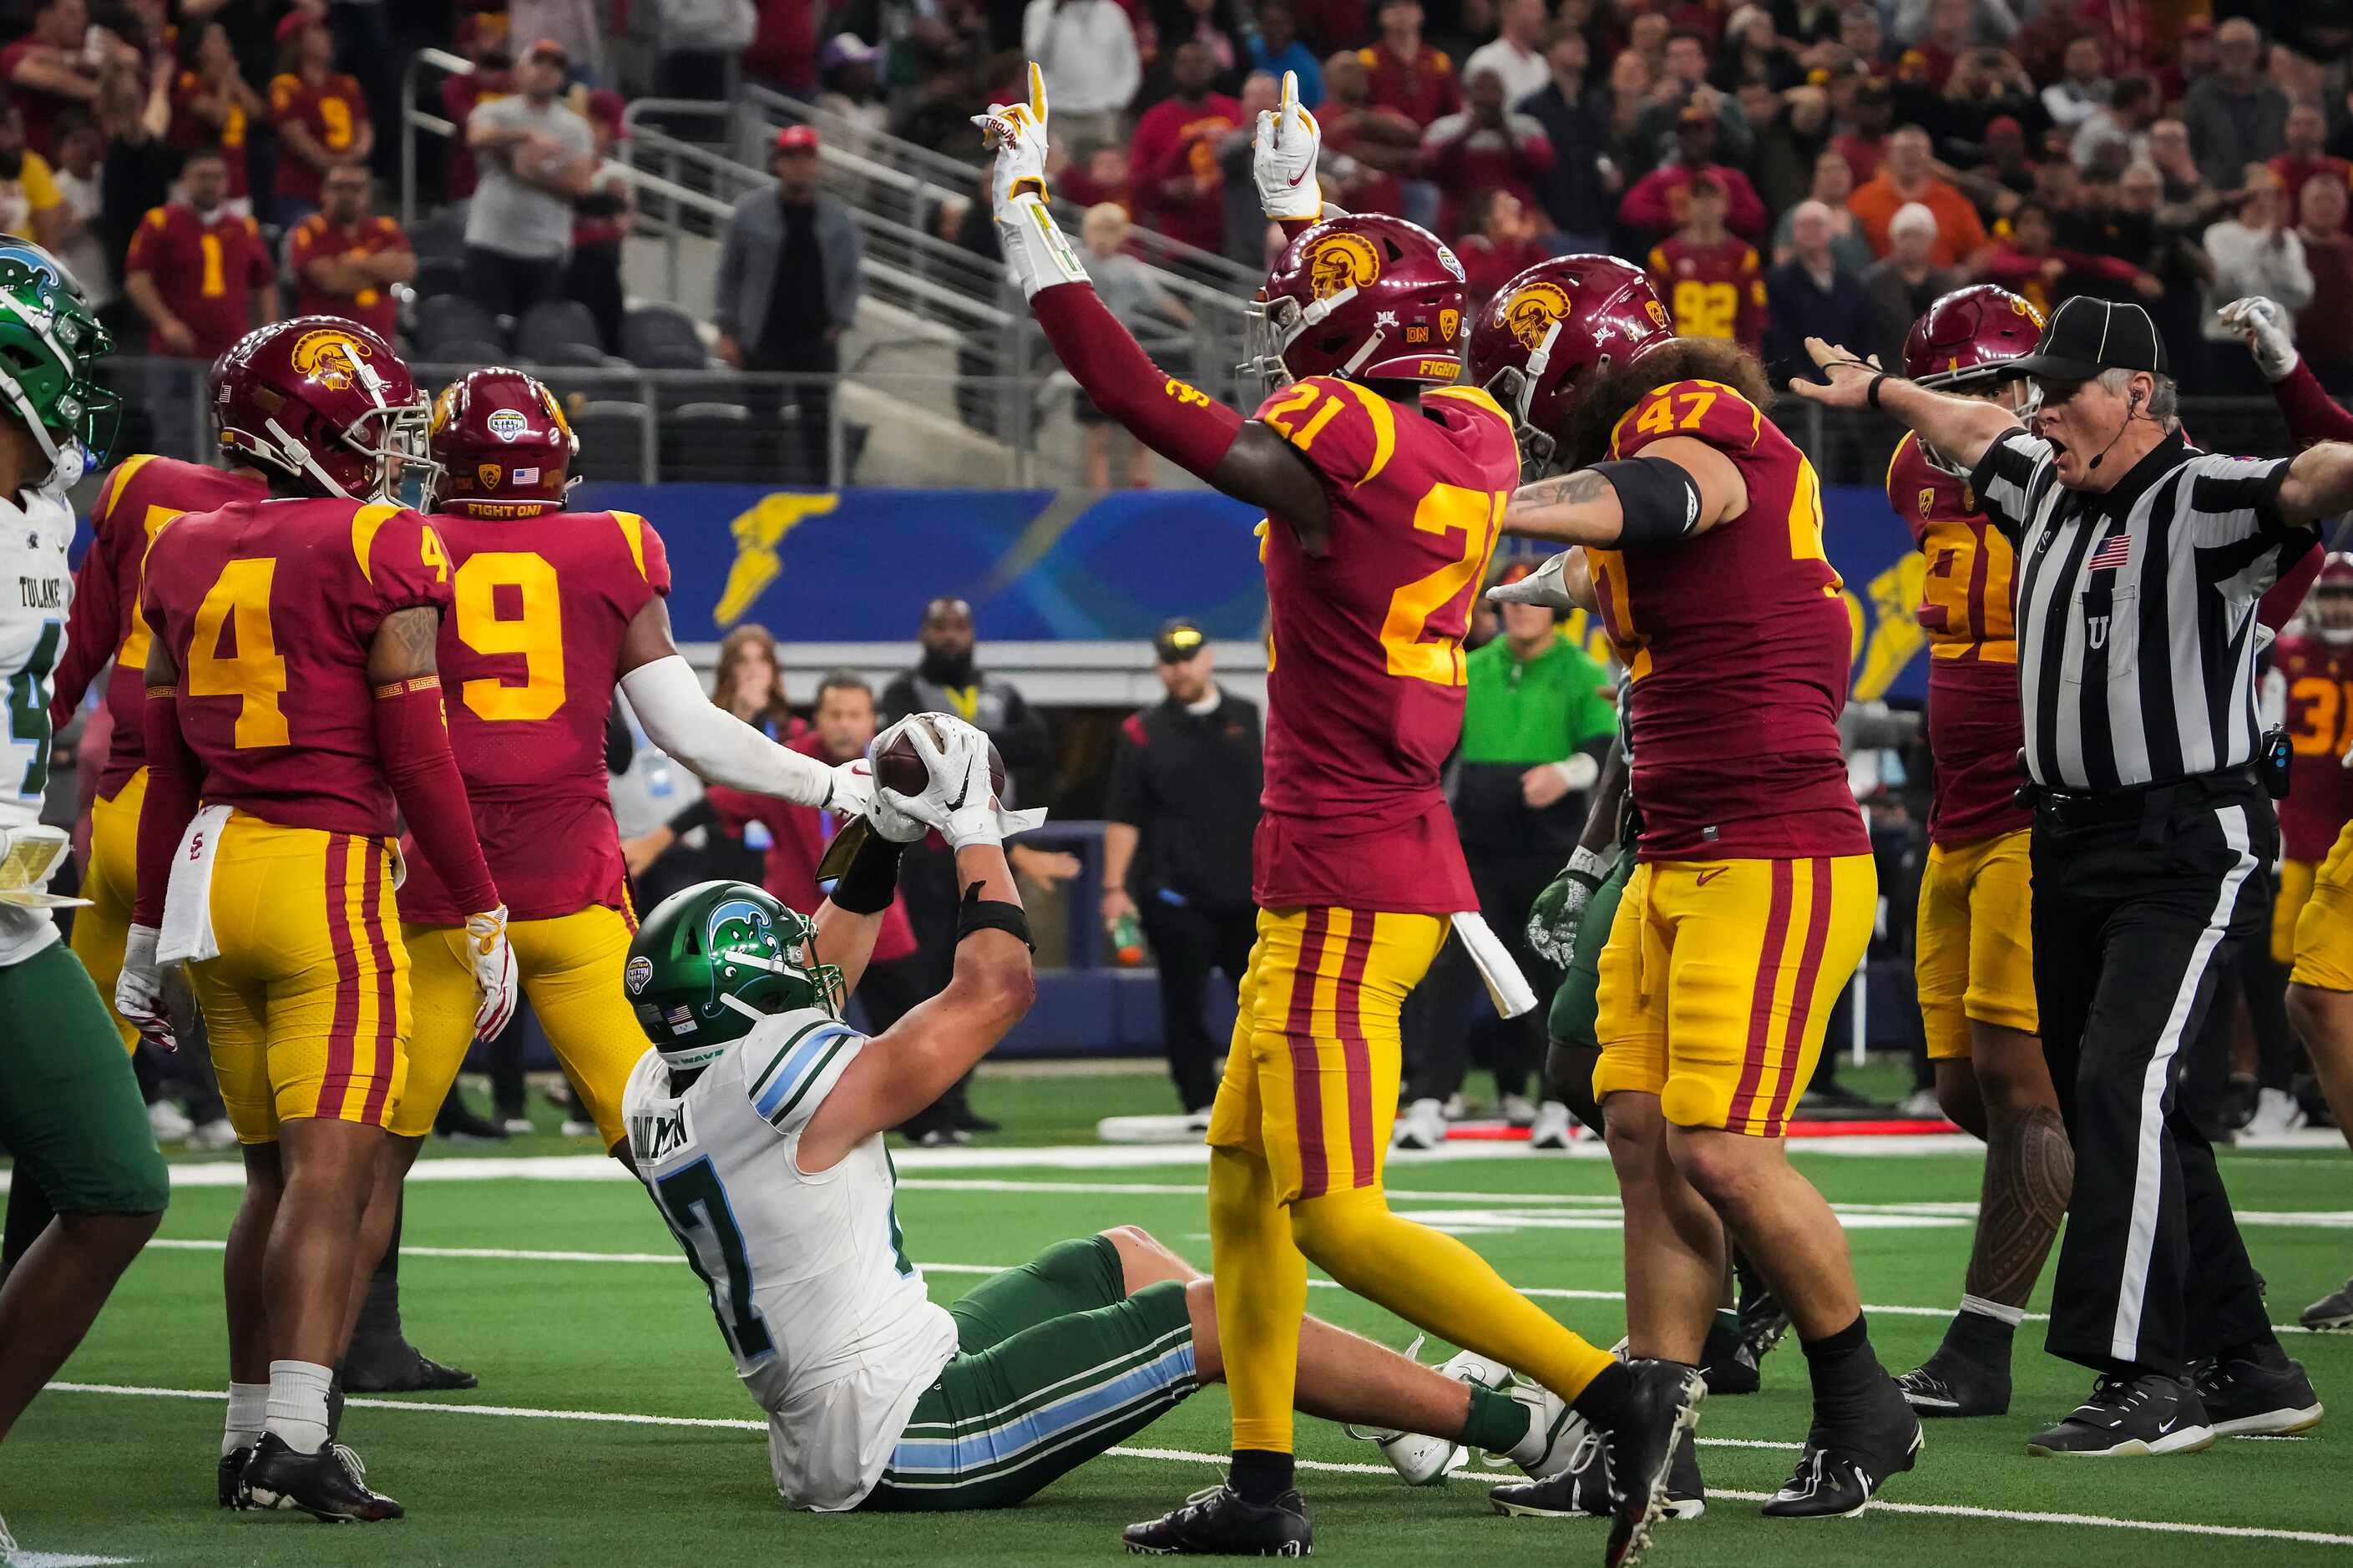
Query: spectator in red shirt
[320,114]
[2303,160]
[1500,245]
[1483,145]
[1104,177]
[212,106]
[1175,153]
[1863,140]
[2324,328]
[1711,279]
[1655,206]
[199,272]
[1373,147]
[2025,262]
[55,67]
[1410,76]
[345,262]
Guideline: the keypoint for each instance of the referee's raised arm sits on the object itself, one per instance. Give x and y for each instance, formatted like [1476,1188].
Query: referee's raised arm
[2141,561]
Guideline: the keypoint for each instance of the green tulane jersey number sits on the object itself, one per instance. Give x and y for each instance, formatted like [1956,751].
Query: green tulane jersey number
[829,1324]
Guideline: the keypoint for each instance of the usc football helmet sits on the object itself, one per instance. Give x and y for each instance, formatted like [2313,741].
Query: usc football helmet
[1962,342]
[1542,336]
[2329,607]
[323,400]
[1365,297]
[501,447]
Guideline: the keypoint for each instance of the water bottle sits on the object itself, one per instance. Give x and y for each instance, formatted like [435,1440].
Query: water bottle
[1127,941]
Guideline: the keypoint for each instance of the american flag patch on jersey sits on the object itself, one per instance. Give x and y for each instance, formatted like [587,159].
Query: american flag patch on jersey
[2116,551]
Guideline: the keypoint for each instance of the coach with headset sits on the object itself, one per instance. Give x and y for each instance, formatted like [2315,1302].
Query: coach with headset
[2140,560]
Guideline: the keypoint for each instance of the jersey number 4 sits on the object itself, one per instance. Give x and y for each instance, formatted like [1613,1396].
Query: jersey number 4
[695,1205]
[29,708]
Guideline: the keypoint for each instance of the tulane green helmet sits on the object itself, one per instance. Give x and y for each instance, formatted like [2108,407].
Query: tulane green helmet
[50,338]
[713,960]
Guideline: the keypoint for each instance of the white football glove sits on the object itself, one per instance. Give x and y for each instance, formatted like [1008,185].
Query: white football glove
[885,817]
[138,994]
[958,800]
[853,790]
[1283,150]
[488,951]
[1545,586]
[1036,255]
[2265,327]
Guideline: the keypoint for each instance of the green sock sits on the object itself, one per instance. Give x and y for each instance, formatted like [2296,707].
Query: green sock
[1496,1423]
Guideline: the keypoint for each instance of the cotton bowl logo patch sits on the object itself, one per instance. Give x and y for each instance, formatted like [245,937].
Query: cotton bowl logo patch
[508,424]
[638,974]
[1447,259]
[1344,262]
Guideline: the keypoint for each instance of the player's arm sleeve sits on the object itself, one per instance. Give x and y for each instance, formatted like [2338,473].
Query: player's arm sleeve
[2312,415]
[2002,477]
[96,615]
[1187,427]
[787,1088]
[678,716]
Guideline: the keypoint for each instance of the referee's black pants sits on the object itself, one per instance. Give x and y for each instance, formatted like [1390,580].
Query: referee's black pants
[2141,904]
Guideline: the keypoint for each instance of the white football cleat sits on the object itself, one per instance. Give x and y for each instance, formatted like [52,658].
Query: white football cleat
[1425,1461]
[1554,1128]
[1519,1111]
[167,1123]
[1554,1432]
[2277,1112]
[212,1136]
[1423,1126]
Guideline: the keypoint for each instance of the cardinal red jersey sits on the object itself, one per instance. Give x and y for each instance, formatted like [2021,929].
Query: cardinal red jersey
[2317,681]
[1739,645]
[1175,156]
[135,500]
[269,607]
[1975,723]
[1366,685]
[1712,290]
[206,270]
[315,239]
[529,656]
[189,131]
[332,111]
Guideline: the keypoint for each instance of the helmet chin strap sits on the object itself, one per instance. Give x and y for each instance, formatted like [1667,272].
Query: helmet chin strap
[740,1006]
[302,461]
[1357,361]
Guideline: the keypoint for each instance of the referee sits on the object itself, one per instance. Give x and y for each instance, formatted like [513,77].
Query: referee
[2140,561]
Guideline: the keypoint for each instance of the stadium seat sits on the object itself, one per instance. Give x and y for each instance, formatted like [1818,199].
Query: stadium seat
[554,325]
[659,337]
[612,439]
[446,361]
[673,356]
[716,442]
[582,356]
[438,275]
[450,317]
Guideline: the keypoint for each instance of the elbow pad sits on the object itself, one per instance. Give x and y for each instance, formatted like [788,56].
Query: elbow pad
[1658,502]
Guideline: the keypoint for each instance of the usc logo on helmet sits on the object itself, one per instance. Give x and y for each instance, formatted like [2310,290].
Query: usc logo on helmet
[332,358]
[1533,312]
[2026,308]
[1343,261]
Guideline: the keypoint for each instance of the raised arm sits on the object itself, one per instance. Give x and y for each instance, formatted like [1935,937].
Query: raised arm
[2311,413]
[1959,427]
[1678,487]
[2319,483]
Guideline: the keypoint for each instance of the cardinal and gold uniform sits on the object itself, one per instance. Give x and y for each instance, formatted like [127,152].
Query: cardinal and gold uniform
[2312,923]
[1974,950]
[138,497]
[528,659]
[270,608]
[1754,894]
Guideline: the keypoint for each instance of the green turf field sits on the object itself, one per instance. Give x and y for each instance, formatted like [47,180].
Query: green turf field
[608,1425]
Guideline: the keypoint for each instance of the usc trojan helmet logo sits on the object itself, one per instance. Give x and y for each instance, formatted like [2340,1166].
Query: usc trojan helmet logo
[1532,313]
[332,358]
[1342,261]
[2026,308]
[444,406]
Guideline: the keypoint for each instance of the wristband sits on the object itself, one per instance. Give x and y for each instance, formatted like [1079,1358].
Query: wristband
[979,914]
[1871,393]
[871,880]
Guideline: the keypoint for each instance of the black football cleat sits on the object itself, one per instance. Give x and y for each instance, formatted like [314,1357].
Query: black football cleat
[395,1366]
[1583,1488]
[2245,1398]
[2333,1310]
[1728,1362]
[1216,1522]
[2130,1417]
[1844,1465]
[1763,1319]
[1951,1384]
[1661,1407]
[232,1477]
[330,1484]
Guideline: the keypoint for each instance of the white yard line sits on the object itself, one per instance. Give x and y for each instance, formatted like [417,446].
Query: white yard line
[1218,1462]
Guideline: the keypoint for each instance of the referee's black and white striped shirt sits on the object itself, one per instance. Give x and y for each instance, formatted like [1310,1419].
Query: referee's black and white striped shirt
[2137,608]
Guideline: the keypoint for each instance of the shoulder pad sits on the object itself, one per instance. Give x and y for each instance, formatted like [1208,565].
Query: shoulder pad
[1708,410]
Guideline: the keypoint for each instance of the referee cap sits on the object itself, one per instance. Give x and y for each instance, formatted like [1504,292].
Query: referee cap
[2085,336]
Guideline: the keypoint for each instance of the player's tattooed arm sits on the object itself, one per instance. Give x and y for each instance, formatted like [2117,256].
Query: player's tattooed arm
[1675,487]
[403,646]
[1269,473]
[1579,488]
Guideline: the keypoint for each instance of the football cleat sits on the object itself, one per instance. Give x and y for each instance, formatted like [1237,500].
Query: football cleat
[395,1366]
[1422,1461]
[1844,1466]
[1763,1319]
[330,1484]
[1423,1126]
[2130,1417]
[2333,1310]
[1555,1126]
[231,1479]
[1582,1485]
[1950,1384]
[1216,1522]
[2245,1398]
[1726,1361]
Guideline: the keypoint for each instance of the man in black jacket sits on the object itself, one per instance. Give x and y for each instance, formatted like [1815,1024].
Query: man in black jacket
[1177,851]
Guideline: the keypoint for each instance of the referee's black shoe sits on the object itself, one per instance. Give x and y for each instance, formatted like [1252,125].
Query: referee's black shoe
[1218,1521]
[1846,1462]
[2244,1397]
[2130,1417]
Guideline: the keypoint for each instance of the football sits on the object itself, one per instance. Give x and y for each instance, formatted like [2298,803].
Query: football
[900,767]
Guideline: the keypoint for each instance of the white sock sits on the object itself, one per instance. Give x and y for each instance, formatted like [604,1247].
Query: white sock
[248,1406]
[298,1404]
[2013,1316]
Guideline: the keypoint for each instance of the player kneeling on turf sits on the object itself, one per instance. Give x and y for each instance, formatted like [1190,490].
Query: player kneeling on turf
[757,1123]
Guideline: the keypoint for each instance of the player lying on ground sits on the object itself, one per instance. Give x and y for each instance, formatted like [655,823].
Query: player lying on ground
[71,1116]
[757,1123]
[1383,485]
[1754,893]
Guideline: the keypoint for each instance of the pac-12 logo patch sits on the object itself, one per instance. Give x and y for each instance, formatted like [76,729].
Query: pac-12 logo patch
[488,473]
[638,974]
[508,424]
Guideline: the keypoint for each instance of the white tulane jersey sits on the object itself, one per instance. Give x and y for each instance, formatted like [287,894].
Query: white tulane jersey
[35,528]
[829,1324]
